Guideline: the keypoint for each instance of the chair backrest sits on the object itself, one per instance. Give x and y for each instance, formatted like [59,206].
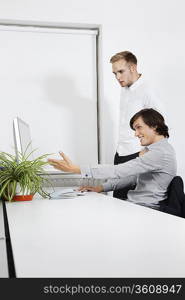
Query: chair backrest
[175,202]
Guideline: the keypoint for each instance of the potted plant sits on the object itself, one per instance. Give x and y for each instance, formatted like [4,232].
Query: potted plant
[21,178]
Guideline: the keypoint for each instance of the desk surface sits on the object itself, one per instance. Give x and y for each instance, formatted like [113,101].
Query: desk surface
[3,254]
[95,236]
[2,231]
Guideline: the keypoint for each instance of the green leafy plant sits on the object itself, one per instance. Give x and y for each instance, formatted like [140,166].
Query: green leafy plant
[23,173]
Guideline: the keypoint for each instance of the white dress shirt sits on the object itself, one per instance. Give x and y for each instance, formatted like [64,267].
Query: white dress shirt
[134,98]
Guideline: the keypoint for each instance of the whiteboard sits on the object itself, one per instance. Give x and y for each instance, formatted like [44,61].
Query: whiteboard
[48,78]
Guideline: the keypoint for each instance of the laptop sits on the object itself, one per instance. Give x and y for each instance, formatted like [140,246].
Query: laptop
[22,138]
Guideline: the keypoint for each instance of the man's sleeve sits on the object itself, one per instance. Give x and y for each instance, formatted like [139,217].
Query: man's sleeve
[150,161]
[116,184]
[153,101]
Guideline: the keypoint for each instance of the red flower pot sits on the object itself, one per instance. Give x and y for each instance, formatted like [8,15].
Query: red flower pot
[22,197]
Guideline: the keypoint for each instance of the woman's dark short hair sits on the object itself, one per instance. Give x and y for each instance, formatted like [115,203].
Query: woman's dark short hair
[153,119]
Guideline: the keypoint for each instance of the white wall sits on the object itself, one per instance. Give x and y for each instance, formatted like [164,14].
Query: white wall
[35,64]
[153,30]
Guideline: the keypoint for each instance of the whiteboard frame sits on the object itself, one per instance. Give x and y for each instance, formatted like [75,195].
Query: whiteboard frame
[92,29]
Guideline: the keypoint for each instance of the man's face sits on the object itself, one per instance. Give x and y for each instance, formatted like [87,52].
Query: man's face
[124,72]
[146,134]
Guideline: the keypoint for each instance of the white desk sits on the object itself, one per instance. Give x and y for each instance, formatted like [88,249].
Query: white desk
[95,236]
[2,231]
[3,254]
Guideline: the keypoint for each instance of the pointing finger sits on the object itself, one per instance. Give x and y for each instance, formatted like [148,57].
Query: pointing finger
[65,157]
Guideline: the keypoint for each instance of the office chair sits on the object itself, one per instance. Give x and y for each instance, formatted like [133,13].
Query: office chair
[175,202]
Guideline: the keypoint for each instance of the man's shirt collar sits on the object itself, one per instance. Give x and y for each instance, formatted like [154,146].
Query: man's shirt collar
[137,83]
[157,144]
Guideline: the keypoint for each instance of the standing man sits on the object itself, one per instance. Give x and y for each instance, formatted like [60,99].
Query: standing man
[135,95]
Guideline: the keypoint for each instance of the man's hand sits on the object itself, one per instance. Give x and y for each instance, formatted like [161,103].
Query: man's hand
[143,152]
[64,164]
[97,189]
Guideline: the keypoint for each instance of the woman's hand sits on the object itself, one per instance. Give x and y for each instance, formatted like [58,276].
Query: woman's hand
[97,189]
[64,164]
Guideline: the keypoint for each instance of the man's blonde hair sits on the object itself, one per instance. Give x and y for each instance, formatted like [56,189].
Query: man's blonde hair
[126,55]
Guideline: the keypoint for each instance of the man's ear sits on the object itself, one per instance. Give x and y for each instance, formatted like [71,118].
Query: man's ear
[154,127]
[133,68]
